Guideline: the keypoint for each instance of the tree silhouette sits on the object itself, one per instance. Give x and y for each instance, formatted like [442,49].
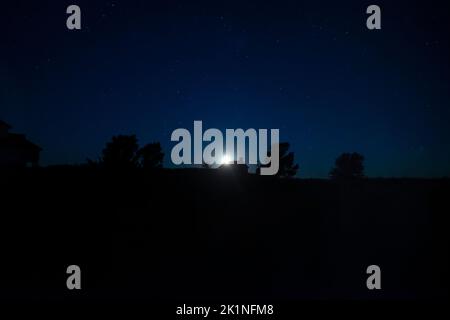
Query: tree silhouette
[348,166]
[151,155]
[120,152]
[287,168]
[123,152]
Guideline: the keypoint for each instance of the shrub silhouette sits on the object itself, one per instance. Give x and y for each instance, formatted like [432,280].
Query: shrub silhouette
[206,166]
[120,152]
[348,166]
[287,168]
[151,155]
[123,152]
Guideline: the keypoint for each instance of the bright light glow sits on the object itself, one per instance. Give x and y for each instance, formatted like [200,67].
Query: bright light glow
[226,159]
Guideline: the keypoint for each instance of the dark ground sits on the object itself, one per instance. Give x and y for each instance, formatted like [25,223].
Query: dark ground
[209,235]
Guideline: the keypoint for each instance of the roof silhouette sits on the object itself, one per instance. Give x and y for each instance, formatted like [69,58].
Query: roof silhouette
[15,149]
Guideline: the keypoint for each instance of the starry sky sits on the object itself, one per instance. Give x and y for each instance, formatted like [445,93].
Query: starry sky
[310,68]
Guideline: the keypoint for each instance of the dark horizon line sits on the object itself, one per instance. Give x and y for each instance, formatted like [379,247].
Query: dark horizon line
[198,167]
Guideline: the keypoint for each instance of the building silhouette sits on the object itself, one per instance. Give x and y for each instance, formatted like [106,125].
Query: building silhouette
[16,150]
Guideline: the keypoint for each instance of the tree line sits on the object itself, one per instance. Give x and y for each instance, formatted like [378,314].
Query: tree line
[124,152]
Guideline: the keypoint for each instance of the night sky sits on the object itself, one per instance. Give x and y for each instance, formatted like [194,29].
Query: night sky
[310,68]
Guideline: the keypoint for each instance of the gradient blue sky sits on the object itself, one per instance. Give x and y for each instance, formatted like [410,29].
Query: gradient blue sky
[310,68]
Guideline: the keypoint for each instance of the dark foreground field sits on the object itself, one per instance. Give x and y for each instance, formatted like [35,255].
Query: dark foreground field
[208,235]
